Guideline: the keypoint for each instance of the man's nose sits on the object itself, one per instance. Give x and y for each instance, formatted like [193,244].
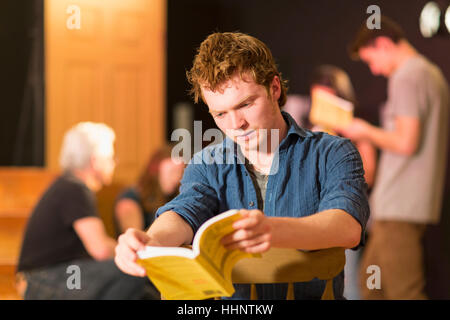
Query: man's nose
[237,120]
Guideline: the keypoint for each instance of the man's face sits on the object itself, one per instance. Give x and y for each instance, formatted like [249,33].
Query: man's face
[379,57]
[241,108]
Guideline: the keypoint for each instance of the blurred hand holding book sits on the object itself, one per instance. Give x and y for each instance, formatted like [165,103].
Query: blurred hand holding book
[329,111]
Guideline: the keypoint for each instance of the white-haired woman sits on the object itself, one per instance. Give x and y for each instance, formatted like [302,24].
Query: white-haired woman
[66,252]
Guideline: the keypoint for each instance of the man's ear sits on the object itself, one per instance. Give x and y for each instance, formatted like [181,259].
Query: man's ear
[275,88]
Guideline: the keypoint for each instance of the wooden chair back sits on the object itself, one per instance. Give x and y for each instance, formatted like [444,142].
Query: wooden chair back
[290,266]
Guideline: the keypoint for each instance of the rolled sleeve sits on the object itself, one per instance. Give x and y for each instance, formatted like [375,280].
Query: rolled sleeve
[197,200]
[343,185]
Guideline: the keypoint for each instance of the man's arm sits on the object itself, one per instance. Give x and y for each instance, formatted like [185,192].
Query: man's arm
[196,202]
[369,159]
[326,229]
[404,139]
[168,230]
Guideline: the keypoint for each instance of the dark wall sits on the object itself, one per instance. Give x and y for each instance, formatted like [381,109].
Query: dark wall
[13,58]
[21,83]
[302,35]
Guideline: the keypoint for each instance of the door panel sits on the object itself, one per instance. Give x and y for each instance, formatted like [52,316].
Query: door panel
[105,62]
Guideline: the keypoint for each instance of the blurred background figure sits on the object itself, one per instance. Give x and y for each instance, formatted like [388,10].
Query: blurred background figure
[336,81]
[407,195]
[329,78]
[158,184]
[65,234]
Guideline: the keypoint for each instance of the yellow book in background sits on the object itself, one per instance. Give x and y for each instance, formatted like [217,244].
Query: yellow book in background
[329,111]
[202,272]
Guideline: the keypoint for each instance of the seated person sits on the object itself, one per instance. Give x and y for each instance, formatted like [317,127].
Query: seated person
[66,252]
[157,185]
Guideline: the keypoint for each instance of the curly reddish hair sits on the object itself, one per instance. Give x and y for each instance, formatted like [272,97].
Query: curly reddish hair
[221,55]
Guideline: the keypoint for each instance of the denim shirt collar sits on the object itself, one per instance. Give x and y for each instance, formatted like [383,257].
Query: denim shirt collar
[293,127]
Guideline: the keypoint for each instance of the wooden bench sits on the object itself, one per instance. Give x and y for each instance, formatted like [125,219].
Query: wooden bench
[20,189]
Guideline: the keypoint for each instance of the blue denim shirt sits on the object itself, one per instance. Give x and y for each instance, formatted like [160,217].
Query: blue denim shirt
[311,172]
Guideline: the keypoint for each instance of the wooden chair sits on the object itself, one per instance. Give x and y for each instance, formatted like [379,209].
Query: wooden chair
[289,266]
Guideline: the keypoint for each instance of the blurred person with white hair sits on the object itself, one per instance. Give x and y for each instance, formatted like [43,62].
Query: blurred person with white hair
[66,252]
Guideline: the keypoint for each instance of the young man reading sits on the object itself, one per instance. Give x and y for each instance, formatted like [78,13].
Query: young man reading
[306,191]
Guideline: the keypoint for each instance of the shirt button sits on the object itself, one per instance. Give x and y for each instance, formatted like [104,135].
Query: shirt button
[251,203]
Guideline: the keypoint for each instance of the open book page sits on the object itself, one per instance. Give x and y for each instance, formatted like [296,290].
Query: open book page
[329,111]
[214,257]
[181,278]
[151,251]
[201,273]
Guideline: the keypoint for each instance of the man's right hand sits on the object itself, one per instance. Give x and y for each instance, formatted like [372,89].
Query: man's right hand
[128,245]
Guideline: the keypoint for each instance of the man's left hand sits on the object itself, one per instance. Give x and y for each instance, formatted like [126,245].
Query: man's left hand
[253,233]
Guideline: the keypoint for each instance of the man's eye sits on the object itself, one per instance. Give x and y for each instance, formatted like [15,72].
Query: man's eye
[219,115]
[249,104]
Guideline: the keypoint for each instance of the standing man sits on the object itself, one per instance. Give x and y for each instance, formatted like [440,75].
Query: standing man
[413,140]
[305,191]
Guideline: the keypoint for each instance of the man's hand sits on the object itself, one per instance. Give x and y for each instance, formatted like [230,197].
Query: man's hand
[356,130]
[168,230]
[129,243]
[253,233]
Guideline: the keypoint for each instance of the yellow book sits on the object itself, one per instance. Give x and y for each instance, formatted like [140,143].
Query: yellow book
[202,272]
[329,111]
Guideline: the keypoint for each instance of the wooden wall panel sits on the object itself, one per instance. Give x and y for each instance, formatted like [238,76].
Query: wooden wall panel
[21,188]
[111,69]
